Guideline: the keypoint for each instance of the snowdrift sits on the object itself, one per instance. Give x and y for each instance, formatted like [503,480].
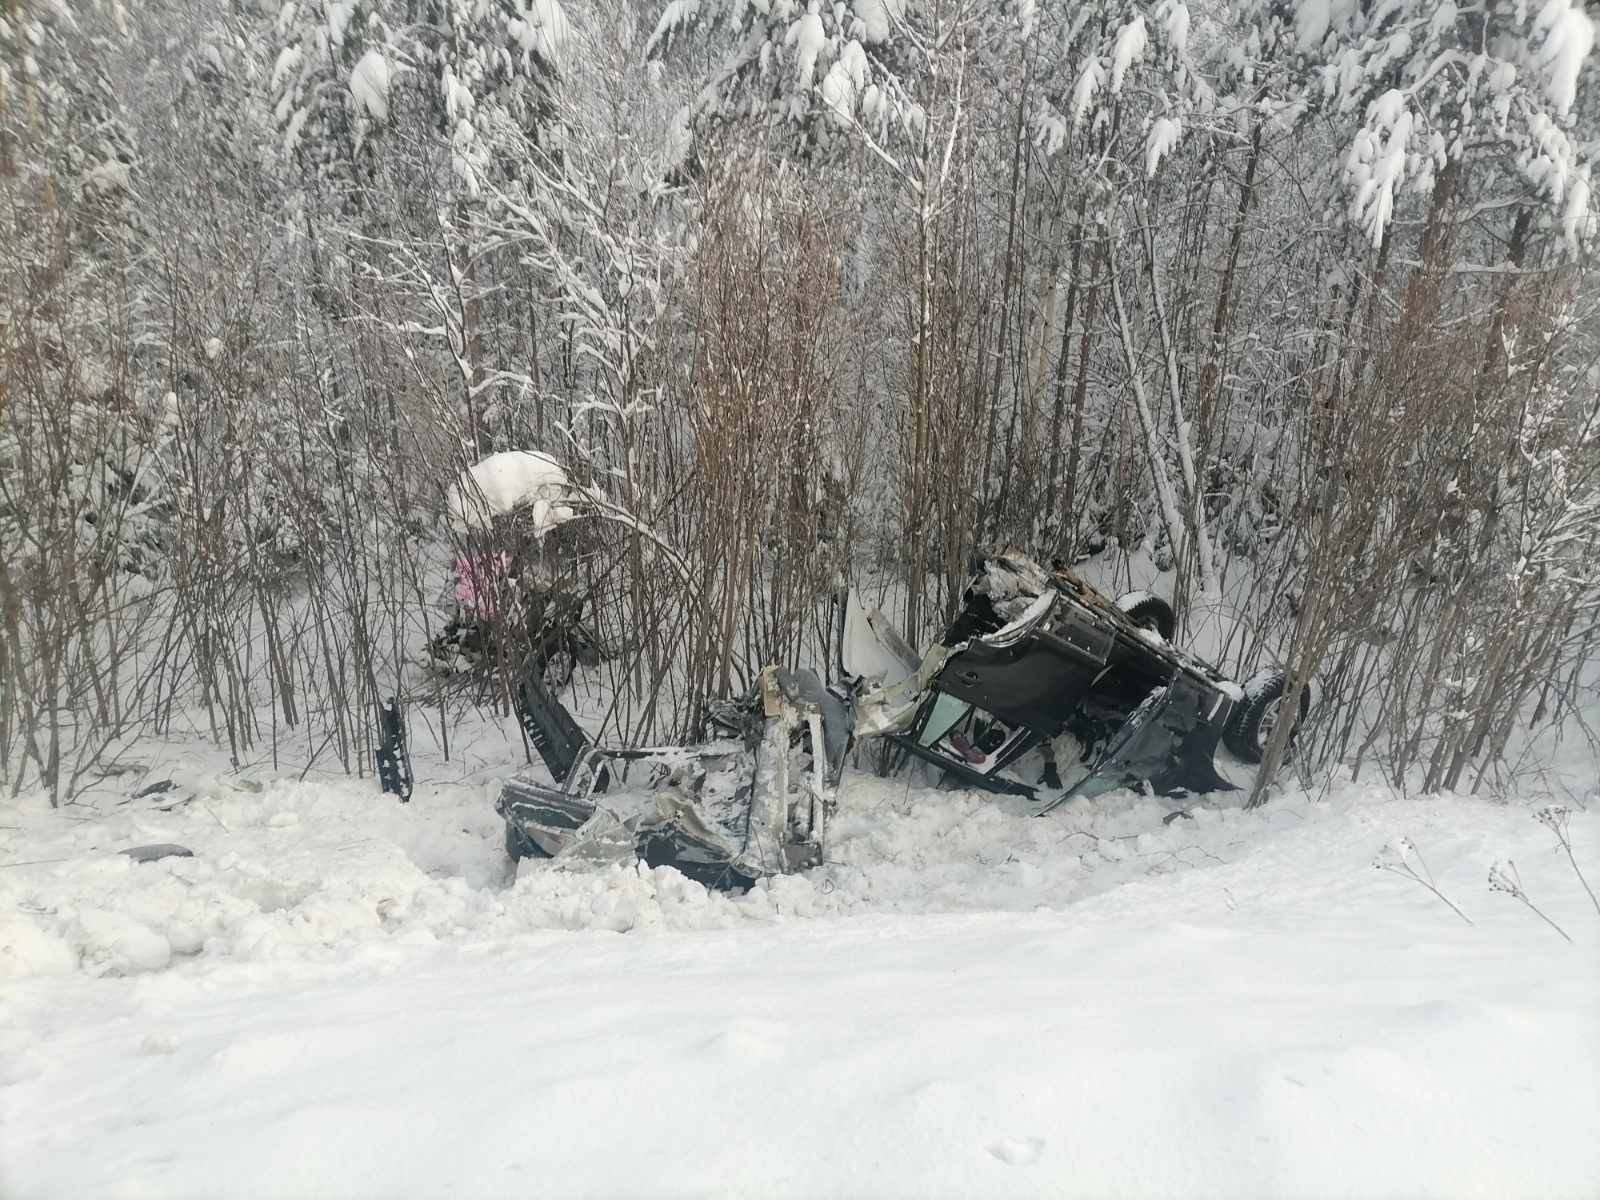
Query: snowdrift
[339,995]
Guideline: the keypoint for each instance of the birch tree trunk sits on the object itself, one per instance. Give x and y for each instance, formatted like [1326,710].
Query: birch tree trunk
[1182,434]
[1165,498]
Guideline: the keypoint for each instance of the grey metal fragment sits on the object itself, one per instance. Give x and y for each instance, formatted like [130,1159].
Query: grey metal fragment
[158,850]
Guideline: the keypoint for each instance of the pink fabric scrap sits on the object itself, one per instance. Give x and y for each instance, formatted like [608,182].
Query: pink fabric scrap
[477,578]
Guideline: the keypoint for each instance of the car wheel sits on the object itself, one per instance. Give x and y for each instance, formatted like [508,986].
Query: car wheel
[1149,612]
[1259,712]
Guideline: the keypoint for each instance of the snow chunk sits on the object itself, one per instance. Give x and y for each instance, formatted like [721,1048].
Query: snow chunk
[458,100]
[1313,19]
[1090,80]
[465,155]
[542,29]
[1550,166]
[1176,17]
[1131,42]
[288,63]
[679,139]
[1377,163]
[1009,578]
[369,84]
[114,944]
[1578,224]
[844,81]
[339,12]
[1569,36]
[878,18]
[1164,134]
[1443,19]
[506,482]
[291,132]
[105,178]
[1027,16]
[808,38]
[676,15]
[26,949]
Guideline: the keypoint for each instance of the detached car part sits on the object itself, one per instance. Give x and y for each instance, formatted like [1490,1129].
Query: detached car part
[392,757]
[724,813]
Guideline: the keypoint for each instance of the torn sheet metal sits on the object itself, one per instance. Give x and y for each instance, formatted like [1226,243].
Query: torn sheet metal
[724,813]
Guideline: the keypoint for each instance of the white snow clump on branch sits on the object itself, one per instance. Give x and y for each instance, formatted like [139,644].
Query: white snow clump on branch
[369,84]
[510,481]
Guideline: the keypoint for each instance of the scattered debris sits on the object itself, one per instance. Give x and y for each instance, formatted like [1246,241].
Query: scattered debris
[158,850]
[393,758]
[1034,658]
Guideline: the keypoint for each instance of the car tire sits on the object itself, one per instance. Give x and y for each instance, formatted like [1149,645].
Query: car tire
[1149,612]
[1257,715]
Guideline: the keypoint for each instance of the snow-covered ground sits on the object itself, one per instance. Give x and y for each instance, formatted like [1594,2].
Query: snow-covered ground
[340,996]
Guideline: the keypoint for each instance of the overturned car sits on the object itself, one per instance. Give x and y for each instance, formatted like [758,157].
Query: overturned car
[1037,664]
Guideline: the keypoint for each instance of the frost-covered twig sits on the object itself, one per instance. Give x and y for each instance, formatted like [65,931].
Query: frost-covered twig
[1555,818]
[1396,859]
[1506,879]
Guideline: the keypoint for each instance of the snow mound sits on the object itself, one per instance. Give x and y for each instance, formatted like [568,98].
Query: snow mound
[369,84]
[506,482]
[298,877]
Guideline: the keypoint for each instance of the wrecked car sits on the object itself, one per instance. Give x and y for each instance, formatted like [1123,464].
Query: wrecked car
[1041,660]
[1036,663]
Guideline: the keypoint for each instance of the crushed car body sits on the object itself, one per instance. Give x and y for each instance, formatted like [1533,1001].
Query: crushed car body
[725,813]
[1037,656]
[1035,661]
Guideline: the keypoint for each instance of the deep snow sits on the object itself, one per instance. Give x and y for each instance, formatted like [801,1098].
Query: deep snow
[341,996]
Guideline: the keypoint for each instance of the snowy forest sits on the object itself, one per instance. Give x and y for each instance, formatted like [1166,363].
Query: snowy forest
[784,598]
[1297,301]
